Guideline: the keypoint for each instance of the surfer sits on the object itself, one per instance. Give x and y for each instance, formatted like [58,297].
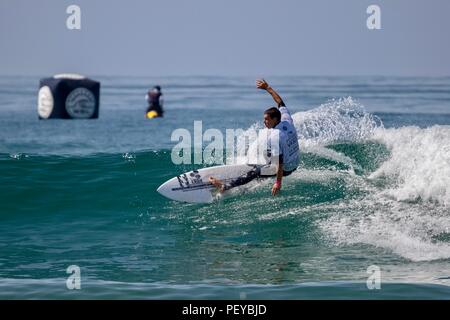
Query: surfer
[283,148]
[155,103]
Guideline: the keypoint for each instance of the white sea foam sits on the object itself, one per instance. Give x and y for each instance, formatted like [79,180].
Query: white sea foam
[337,120]
[419,163]
[408,213]
[18,156]
[410,230]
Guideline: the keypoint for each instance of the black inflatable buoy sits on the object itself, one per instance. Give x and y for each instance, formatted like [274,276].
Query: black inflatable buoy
[68,96]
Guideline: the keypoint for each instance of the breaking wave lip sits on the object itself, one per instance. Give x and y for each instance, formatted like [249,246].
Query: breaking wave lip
[419,165]
[408,215]
[337,120]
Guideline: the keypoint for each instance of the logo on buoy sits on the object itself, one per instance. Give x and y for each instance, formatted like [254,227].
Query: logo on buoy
[80,103]
[45,102]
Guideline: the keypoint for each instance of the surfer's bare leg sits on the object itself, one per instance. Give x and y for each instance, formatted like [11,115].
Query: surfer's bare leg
[244,179]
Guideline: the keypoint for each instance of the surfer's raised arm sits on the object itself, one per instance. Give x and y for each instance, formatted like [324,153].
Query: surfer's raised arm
[262,84]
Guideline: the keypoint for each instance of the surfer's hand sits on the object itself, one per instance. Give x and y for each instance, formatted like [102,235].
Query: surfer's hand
[276,188]
[262,84]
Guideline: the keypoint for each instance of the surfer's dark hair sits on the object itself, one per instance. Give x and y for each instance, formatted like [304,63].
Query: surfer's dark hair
[273,113]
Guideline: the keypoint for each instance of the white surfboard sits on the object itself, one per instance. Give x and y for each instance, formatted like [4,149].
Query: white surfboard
[194,187]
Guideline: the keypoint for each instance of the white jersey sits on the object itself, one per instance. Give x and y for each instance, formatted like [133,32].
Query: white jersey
[283,141]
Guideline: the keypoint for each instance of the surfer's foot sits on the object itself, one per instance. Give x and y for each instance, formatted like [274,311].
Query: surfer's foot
[217,183]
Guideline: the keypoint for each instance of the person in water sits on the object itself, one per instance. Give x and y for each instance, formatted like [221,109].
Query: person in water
[282,146]
[155,103]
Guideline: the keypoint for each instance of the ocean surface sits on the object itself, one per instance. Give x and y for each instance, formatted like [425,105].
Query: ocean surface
[372,193]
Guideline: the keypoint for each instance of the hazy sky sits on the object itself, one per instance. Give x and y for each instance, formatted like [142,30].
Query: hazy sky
[227,37]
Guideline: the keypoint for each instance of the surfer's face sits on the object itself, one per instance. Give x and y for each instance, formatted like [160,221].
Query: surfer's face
[269,122]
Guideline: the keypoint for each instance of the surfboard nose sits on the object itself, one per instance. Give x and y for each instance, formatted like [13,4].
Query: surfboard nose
[163,190]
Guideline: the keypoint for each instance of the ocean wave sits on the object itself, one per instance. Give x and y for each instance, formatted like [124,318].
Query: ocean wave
[408,214]
[361,183]
[398,191]
[419,163]
[417,232]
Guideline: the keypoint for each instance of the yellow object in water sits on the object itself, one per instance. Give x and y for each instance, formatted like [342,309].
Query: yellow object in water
[152,114]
